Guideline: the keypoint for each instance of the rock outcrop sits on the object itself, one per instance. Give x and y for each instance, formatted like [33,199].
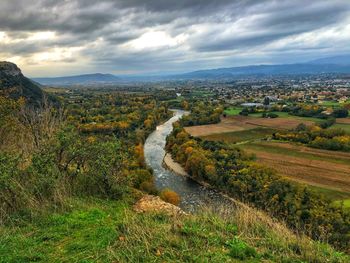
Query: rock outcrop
[151,203]
[14,84]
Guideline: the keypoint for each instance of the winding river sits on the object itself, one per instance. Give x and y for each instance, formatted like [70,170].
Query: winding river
[193,195]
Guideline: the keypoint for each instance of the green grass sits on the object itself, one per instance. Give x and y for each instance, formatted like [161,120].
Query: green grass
[94,230]
[332,194]
[286,115]
[345,127]
[330,103]
[233,111]
[346,203]
[240,136]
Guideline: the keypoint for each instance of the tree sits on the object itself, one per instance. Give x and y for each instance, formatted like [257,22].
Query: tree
[170,196]
[266,101]
[340,113]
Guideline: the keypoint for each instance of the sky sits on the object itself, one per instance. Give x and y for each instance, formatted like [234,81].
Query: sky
[68,37]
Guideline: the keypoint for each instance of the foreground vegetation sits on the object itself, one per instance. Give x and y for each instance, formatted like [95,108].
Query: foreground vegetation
[93,148]
[96,230]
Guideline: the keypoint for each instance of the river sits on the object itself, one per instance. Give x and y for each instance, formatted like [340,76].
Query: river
[193,195]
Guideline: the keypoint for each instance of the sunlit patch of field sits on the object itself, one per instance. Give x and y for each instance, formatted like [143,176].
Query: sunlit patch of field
[242,123]
[228,124]
[233,111]
[241,136]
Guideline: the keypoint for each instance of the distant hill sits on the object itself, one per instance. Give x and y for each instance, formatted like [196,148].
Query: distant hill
[336,64]
[79,79]
[336,60]
[283,69]
[14,85]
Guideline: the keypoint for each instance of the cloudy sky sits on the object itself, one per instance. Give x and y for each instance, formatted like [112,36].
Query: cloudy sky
[66,37]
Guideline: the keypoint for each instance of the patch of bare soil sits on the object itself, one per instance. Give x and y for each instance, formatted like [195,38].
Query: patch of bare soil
[343,120]
[240,123]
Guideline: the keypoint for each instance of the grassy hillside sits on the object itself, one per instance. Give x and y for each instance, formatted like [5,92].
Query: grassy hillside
[95,230]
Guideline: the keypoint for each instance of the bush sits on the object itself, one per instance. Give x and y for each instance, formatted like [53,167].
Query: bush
[340,113]
[170,196]
[328,123]
[12,194]
[244,113]
[148,187]
[272,115]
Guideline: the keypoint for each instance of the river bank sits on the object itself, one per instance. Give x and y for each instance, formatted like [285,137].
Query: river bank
[171,165]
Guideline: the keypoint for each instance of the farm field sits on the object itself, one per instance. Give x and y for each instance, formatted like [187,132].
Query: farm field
[343,120]
[228,124]
[241,123]
[345,127]
[241,136]
[330,103]
[288,116]
[233,111]
[327,171]
[343,123]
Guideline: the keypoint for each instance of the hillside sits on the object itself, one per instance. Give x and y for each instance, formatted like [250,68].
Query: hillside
[14,84]
[95,230]
[85,79]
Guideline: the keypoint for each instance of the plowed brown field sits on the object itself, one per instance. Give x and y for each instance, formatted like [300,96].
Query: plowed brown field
[240,123]
[318,172]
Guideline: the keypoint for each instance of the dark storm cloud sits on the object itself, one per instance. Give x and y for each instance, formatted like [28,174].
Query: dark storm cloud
[210,30]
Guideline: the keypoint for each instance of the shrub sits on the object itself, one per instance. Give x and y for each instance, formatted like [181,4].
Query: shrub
[12,194]
[328,123]
[148,187]
[170,196]
[340,113]
[272,115]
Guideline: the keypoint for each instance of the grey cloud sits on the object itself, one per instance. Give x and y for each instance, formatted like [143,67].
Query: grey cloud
[80,23]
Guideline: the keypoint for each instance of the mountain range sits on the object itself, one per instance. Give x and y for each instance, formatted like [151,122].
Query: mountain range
[79,79]
[336,64]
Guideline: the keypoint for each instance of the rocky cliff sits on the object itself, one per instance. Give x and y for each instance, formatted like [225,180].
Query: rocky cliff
[14,84]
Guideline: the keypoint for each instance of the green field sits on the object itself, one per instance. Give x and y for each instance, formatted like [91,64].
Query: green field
[286,115]
[346,203]
[330,103]
[335,195]
[233,111]
[345,127]
[241,136]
